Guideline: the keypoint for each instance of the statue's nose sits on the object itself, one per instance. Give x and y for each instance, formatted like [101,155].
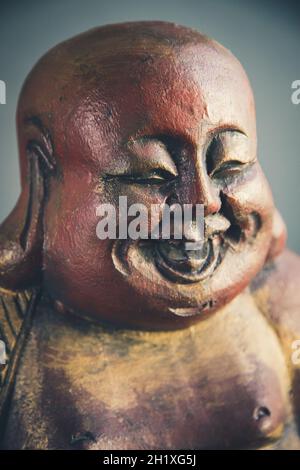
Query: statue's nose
[210,197]
[198,188]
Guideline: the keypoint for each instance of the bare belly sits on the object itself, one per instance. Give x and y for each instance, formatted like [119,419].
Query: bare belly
[219,384]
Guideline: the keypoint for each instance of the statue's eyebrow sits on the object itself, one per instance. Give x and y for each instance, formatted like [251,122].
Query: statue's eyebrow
[218,131]
[226,129]
[172,143]
[163,139]
[169,143]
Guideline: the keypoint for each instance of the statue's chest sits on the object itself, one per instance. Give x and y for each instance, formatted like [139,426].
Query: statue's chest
[222,383]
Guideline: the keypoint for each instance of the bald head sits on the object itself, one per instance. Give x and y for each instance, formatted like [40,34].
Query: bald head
[119,59]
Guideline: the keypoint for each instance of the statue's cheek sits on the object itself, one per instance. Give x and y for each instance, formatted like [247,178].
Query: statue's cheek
[249,195]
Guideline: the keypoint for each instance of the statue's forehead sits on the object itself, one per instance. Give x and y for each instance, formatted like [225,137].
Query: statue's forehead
[182,91]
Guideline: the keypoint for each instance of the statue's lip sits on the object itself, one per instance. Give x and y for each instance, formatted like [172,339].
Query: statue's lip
[190,267]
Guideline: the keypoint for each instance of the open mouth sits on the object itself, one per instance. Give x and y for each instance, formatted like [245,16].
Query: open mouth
[171,259]
[187,266]
[180,265]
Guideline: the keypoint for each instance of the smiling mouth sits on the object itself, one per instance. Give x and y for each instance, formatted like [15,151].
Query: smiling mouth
[175,262]
[187,266]
[171,259]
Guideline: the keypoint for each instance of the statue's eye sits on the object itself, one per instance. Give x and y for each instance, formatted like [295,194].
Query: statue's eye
[156,176]
[228,154]
[228,168]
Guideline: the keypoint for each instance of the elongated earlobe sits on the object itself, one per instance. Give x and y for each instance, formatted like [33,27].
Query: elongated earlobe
[21,234]
[279,236]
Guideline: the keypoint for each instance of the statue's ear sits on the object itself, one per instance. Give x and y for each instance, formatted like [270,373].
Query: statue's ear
[21,234]
[279,236]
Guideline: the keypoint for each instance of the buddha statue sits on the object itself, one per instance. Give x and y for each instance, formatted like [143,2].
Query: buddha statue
[141,343]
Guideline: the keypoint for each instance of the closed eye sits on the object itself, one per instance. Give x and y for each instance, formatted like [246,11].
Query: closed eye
[228,168]
[156,176]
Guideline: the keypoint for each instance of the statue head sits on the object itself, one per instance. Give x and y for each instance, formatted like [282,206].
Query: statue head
[160,114]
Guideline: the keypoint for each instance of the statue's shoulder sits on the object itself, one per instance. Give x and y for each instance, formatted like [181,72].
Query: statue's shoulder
[16,309]
[277,289]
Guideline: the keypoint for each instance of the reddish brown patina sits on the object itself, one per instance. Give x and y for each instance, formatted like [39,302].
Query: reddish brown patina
[161,114]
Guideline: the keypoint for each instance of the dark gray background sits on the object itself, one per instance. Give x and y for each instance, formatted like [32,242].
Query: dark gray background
[264,35]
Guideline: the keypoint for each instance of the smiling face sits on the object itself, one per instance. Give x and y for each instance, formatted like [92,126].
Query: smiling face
[160,122]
